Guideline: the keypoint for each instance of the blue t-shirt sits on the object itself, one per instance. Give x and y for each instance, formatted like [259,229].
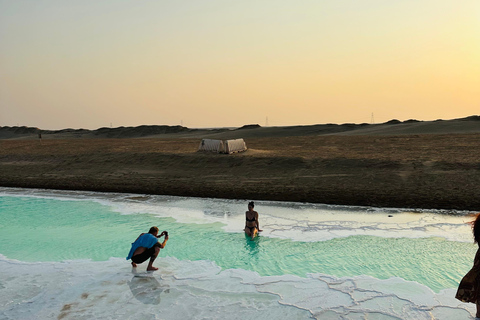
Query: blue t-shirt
[146,240]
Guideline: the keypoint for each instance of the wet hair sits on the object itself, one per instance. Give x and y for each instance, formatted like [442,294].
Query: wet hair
[476,229]
[153,230]
[251,204]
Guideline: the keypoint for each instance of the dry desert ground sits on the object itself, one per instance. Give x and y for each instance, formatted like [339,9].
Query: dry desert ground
[404,170]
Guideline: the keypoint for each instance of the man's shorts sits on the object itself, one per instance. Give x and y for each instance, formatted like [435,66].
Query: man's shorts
[142,257]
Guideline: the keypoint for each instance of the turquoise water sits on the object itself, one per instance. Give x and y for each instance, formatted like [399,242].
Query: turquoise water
[43,229]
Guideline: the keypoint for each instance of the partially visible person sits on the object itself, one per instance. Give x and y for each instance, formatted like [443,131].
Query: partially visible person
[252,227]
[469,288]
[147,246]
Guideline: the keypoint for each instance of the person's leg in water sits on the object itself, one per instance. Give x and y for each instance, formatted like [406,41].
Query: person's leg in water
[254,233]
[251,231]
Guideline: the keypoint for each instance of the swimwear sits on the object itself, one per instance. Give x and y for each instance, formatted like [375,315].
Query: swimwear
[250,220]
[252,229]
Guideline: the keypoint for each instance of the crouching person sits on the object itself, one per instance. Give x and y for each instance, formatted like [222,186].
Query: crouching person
[147,246]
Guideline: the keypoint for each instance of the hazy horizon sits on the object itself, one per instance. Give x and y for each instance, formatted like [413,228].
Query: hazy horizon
[89,64]
[234,127]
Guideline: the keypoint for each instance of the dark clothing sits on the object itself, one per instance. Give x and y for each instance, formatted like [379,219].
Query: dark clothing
[145,255]
[469,288]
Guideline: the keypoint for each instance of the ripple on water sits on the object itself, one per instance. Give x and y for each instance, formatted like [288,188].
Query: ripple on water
[311,261]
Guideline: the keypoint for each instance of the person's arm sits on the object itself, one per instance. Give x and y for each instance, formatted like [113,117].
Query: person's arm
[258,224]
[162,245]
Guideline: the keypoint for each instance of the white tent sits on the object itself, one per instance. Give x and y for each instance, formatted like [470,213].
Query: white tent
[220,146]
[237,145]
[211,145]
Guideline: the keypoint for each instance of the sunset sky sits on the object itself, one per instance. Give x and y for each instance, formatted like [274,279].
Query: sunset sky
[216,63]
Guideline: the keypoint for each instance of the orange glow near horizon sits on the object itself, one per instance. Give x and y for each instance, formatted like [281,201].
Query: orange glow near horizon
[88,64]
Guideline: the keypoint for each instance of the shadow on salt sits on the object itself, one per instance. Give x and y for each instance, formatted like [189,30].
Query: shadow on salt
[147,290]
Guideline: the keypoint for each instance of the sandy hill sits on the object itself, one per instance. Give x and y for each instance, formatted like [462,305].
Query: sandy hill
[394,127]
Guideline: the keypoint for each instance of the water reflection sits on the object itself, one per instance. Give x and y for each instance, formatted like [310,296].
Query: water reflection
[146,288]
[252,246]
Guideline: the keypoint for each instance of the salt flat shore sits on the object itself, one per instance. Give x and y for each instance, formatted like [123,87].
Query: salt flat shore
[403,170]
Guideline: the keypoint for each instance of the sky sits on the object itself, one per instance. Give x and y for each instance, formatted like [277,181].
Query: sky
[223,63]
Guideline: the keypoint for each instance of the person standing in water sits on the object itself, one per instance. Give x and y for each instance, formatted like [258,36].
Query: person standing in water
[469,288]
[147,246]
[252,227]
